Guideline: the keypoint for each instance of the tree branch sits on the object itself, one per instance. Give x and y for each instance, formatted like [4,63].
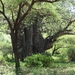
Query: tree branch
[55,49]
[19,20]
[12,16]
[9,23]
[2,6]
[19,12]
[51,39]
[69,23]
[49,1]
[3,13]
[25,14]
[25,3]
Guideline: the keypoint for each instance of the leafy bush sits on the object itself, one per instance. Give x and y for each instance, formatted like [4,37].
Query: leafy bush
[71,54]
[39,60]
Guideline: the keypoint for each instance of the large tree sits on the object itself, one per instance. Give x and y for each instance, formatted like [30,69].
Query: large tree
[14,18]
[49,21]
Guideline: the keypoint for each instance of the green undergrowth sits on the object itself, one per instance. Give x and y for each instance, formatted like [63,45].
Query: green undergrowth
[39,60]
[66,68]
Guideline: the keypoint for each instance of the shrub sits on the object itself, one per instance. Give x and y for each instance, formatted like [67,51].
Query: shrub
[39,60]
[71,54]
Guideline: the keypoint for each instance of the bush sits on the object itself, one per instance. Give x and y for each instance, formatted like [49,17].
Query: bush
[71,54]
[39,60]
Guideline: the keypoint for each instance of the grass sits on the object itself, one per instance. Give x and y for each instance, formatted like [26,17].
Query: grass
[6,70]
[58,69]
[67,68]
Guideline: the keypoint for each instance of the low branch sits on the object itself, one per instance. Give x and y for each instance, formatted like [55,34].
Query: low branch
[68,32]
[55,49]
[51,39]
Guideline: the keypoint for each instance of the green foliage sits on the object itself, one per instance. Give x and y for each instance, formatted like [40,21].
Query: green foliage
[64,46]
[63,58]
[1,57]
[71,54]
[13,3]
[5,44]
[9,58]
[39,60]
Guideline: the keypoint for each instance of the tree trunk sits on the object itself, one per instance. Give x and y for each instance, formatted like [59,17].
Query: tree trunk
[34,42]
[15,49]
[28,32]
[38,40]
